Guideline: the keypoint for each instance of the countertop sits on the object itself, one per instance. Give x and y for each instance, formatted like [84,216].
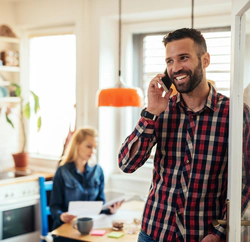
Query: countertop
[31,176]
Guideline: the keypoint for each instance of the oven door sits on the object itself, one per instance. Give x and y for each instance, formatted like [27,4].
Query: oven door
[19,220]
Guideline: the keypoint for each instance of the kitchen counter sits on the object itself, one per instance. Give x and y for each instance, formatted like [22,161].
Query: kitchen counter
[12,176]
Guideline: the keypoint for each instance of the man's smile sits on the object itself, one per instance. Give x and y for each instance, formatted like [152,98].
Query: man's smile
[179,78]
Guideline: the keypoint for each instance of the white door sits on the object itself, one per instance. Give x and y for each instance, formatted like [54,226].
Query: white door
[240,78]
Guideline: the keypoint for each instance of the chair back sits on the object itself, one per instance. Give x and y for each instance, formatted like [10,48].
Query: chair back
[44,207]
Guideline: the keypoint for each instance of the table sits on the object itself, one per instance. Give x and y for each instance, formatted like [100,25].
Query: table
[67,231]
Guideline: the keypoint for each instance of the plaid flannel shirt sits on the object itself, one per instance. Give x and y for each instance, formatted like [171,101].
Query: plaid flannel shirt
[189,183]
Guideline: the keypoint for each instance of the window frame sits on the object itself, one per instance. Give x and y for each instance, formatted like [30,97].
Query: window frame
[44,162]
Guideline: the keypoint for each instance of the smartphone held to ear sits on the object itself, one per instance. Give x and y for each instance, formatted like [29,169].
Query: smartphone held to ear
[166,81]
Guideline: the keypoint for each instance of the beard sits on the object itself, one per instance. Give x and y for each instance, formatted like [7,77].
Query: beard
[195,79]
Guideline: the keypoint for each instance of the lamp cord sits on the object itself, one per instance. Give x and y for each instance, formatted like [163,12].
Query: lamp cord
[120,35]
[192,15]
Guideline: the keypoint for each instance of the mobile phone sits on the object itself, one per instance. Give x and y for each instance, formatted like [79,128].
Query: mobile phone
[166,81]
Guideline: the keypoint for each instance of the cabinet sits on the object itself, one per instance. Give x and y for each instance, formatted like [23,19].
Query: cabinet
[9,72]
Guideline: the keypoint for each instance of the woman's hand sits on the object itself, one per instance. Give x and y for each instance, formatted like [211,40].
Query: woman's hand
[115,206]
[210,238]
[66,217]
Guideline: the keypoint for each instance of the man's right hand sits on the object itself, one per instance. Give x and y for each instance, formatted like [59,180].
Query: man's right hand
[156,102]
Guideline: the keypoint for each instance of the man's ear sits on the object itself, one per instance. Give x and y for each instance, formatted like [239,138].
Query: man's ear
[206,60]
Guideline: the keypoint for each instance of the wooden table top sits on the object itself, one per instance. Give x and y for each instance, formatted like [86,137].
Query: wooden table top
[67,231]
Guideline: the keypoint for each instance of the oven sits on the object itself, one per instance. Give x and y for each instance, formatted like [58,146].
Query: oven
[19,211]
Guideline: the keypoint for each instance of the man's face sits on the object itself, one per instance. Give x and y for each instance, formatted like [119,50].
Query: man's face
[184,67]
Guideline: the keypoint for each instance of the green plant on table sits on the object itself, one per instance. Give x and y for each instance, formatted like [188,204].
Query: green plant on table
[25,112]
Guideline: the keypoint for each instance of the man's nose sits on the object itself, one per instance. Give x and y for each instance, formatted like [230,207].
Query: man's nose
[176,67]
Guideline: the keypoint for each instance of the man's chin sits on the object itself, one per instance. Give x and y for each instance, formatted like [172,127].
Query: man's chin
[181,88]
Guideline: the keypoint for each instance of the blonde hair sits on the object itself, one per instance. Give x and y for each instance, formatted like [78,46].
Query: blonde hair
[77,138]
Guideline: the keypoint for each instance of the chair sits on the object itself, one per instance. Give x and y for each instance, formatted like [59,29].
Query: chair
[44,209]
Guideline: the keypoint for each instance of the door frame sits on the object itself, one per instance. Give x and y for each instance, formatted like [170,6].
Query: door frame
[239,7]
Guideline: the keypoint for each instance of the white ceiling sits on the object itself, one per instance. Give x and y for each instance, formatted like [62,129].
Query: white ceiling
[162,9]
[141,10]
[158,9]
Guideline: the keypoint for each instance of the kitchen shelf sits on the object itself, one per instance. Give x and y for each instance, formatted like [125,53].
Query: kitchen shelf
[9,100]
[10,68]
[9,73]
[9,40]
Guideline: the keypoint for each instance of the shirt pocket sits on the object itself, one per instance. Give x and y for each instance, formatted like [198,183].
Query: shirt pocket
[72,191]
[93,188]
[95,183]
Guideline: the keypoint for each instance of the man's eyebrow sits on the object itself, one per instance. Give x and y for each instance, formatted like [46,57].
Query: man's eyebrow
[183,54]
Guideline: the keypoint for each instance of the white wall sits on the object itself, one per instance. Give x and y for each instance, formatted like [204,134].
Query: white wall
[96,28]
[7,16]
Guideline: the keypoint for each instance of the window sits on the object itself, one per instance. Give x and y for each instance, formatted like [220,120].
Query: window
[150,51]
[52,77]
[219,47]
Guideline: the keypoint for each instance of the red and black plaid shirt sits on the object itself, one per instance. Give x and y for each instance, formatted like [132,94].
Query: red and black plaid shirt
[189,186]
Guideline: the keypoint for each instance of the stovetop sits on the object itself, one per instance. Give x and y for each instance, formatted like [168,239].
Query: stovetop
[14,174]
[18,185]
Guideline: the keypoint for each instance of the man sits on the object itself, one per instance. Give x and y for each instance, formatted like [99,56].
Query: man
[189,184]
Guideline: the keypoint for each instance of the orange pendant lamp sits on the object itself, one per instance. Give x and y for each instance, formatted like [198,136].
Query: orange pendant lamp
[120,95]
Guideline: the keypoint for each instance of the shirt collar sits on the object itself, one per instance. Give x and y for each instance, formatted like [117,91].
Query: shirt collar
[211,98]
[73,167]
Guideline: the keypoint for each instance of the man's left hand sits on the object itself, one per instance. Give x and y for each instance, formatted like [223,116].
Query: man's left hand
[210,238]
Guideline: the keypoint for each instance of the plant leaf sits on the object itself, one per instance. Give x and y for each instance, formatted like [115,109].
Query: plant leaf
[36,102]
[18,89]
[26,110]
[39,123]
[8,120]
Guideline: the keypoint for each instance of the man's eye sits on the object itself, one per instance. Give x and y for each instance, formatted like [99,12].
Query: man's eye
[184,57]
[169,62]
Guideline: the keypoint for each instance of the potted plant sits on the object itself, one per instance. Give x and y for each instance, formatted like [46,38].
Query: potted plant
[21,158]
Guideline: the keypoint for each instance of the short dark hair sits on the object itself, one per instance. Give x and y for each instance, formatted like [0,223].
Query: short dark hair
[183,33]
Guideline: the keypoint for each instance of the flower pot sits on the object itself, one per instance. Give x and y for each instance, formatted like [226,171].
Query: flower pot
[21,159]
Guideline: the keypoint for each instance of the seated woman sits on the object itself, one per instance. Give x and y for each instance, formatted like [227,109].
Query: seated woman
[76,179]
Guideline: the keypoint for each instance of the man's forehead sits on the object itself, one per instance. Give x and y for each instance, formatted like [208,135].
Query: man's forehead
[180,47]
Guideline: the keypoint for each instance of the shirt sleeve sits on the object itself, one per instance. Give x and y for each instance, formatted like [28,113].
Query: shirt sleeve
[246,160]
[145,135]
[56,199]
